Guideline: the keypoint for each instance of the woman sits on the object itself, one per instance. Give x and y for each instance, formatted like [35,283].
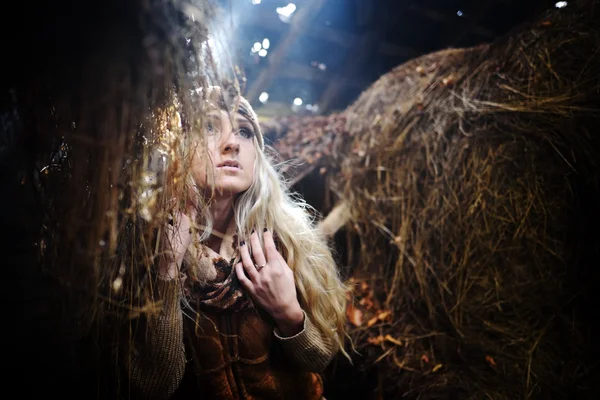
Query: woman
[263,306]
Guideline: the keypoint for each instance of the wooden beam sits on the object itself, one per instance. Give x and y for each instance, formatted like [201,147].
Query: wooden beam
[270,21]
[296,70]
[361,53]
[299,22]
[336,219]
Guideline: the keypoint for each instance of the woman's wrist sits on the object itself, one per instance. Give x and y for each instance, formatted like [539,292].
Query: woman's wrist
[290,322]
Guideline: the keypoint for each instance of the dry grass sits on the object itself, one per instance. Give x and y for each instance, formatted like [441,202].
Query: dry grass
[472,178]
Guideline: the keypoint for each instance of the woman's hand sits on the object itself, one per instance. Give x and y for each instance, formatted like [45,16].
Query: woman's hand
[178,235]
[270,282]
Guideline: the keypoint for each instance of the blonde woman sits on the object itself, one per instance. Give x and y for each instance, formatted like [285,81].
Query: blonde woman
[253,307]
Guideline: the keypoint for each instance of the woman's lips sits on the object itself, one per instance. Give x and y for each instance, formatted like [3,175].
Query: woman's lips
[230,164]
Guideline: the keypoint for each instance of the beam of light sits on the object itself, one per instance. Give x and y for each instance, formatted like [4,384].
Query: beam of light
[262,53]
[297,101]
[266,43]
[561,4]
[256,2]
[264,96]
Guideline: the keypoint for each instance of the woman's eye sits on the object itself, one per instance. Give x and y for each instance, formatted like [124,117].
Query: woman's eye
[210,127]
[246,133]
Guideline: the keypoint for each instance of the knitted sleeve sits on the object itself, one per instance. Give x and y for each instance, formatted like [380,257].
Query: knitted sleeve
[308,348]
[157,360]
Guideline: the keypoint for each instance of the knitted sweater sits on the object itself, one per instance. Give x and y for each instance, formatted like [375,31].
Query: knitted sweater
[223,369]
[225,348]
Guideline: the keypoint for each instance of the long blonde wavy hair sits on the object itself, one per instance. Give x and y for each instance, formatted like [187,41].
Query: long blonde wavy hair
[269,203]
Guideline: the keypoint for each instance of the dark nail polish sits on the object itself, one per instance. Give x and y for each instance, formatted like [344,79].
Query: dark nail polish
[242,243]
[252,231]
[265,230]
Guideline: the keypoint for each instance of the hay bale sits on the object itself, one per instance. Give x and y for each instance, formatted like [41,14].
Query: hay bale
[79,101]
[472,179]
[304,144]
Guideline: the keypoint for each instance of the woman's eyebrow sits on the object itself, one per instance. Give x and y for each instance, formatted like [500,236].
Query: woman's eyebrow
[242,120]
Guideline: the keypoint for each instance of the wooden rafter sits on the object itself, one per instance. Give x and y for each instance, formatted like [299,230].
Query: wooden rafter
[311,74]
[356,59]
[360,45]
[270,21]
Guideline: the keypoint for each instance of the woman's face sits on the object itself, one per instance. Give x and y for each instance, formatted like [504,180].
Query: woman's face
[229,164]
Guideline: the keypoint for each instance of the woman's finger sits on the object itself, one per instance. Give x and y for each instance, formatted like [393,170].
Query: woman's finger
[270,248]
[246,283]
[247,263]
[257,252]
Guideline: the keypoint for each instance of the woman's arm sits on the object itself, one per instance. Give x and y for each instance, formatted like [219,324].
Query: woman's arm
[270,281]
[308,348]
[157,358]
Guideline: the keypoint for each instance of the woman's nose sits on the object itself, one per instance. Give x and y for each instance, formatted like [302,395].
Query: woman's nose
[231,143]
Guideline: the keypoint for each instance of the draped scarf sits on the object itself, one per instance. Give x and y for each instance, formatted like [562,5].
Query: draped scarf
[214,284]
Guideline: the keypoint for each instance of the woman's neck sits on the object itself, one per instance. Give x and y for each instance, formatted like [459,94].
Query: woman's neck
[222,211]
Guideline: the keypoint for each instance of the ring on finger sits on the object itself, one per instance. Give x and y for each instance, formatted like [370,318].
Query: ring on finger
[259,267]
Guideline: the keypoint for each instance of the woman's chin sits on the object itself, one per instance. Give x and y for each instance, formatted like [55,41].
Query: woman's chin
[230,189]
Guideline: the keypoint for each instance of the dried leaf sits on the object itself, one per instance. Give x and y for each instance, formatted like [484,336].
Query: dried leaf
[490,360]
[355,316]
[383,315]
[375,340]
[425,358]
[449,80]
[436,368]
[372,322]
[393,340]
[366,303]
